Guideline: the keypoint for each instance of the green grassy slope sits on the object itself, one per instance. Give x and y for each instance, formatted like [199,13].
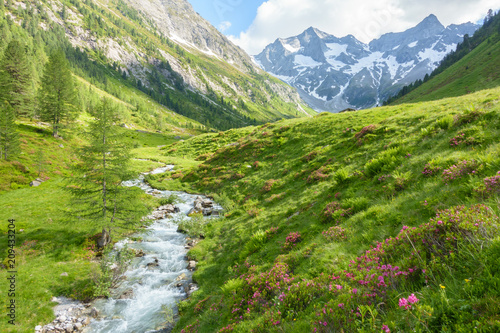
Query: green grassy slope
[476,71]
[305,199]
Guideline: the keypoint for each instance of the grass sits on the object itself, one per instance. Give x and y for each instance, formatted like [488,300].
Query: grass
[367,169]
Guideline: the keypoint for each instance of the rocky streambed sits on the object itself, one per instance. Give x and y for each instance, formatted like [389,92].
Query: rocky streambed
[159,276]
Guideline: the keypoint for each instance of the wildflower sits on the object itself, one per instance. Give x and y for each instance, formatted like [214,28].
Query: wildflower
[386,329]
[341,305]
[412,299]
[403,302]
[442,287]
[467,280]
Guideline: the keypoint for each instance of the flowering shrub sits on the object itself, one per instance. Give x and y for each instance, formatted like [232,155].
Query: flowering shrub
[490,186]
[459,170]
[383,178]
[253,212]
[268,186]
[430,170]
[275,197]
[407,302]
[335,233]
[467,117]
[364,131]
[271,232]
[462,139]
[318,175]
[292,240]
[334,212]
[414,255]
[309,157]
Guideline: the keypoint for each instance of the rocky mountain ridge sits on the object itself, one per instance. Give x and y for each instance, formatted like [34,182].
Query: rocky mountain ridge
[333,74]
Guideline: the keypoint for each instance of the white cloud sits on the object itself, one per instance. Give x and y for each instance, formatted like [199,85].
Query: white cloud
[223,26]
[365,19]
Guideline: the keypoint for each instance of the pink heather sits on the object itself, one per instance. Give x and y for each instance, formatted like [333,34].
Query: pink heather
[413,299]
[403,302]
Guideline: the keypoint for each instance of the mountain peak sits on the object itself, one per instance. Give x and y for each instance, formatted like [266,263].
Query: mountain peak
[430,21]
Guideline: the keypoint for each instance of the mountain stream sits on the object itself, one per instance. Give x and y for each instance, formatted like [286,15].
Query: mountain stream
[155,285]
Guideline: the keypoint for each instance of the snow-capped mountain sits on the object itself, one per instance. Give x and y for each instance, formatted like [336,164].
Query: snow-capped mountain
[333,74]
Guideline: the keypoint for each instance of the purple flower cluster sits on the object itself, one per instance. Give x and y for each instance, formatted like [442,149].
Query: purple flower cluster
[490,186]
[407,302]
[383,178]
[459,170]
[334,212]
[335,234]
[461,139]
[430,170]
[291,240]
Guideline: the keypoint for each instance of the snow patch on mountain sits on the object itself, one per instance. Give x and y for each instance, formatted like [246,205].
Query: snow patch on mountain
[305,61]
[333,73]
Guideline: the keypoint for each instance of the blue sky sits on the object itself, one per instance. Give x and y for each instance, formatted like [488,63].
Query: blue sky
[253,24]
[240,13]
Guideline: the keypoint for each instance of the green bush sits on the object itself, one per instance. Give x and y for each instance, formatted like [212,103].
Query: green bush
[445,122]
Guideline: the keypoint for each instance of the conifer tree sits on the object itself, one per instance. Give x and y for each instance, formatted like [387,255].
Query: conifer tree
[57,93]
[9,140]
[105,164]
[16,79]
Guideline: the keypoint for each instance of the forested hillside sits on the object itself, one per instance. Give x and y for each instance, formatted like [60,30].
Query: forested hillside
[118,50]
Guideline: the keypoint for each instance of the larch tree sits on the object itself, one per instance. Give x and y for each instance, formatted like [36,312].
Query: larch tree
[57,93]
[104,165]
[9,139]
[16,76]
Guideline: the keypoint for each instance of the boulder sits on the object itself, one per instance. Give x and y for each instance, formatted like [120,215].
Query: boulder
[69,328]
[139,253]
[64,274]
[94,313]
[169,209]
[181,277]
[206,203]
[191,265]
[61,146]
[78,326]
[104,239]
[207,211]
[153,264]
[35,183]
[129,293]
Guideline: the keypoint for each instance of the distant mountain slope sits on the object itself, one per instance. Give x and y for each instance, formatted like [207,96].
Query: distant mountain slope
[333,73]
[474,66]
[191,69]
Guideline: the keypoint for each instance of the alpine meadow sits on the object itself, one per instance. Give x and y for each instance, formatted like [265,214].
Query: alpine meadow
[155,178]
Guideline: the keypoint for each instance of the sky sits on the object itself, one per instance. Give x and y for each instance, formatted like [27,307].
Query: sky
[253,24]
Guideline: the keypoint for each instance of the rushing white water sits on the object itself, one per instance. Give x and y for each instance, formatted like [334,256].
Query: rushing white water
[152,287]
